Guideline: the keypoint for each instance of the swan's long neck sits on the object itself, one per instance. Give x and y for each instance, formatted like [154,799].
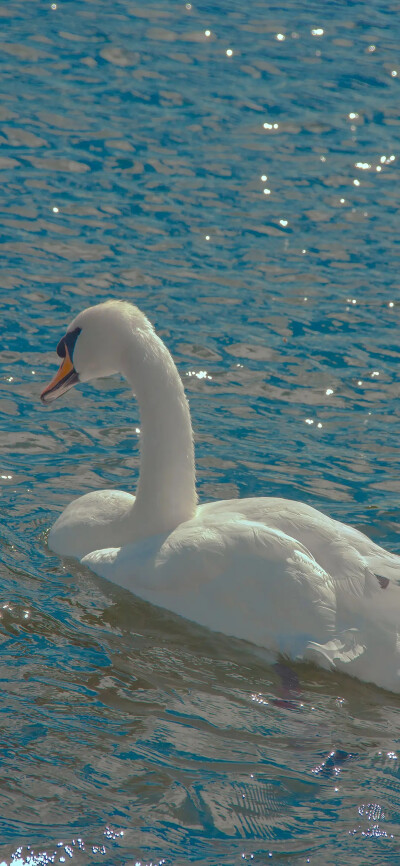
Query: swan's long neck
[166,494]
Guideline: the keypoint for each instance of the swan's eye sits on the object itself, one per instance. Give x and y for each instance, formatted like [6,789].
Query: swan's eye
[61,348]
[67,344]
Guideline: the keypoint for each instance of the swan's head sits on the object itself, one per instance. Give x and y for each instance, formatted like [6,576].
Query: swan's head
[94,344]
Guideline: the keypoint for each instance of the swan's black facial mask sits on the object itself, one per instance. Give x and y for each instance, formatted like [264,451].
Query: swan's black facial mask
[66,376]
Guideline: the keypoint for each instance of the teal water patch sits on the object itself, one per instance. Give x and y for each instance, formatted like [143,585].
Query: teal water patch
[234,171]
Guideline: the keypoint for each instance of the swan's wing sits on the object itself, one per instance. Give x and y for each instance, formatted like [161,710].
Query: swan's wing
[329,540]
[96,518]
[238,576]
[251,581]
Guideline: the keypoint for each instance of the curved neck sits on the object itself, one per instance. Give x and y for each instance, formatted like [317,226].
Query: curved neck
[166,493]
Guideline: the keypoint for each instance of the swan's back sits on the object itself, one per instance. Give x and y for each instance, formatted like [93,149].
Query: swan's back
[242,567]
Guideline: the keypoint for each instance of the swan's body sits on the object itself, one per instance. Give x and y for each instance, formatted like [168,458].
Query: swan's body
[272,571]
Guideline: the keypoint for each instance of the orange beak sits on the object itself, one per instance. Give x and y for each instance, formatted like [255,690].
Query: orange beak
[64,379]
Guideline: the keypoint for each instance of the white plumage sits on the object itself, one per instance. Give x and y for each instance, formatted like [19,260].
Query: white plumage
[272,571]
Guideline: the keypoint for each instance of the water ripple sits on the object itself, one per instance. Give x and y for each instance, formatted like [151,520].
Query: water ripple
[234,171]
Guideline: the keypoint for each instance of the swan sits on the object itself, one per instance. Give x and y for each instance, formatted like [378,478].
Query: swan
[275,572]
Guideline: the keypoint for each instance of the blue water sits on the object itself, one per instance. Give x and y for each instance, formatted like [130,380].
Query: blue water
[132,152]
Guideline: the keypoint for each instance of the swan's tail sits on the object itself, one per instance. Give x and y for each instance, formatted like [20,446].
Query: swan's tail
[386,568]
[370,654]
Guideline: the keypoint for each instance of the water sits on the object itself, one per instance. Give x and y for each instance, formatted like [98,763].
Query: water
[133,148]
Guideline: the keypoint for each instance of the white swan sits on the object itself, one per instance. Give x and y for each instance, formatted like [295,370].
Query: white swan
[272,571]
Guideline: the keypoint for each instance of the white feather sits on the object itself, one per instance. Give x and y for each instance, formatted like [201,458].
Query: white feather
[272,571]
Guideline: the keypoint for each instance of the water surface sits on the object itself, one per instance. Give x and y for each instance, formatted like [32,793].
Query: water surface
[233,170]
